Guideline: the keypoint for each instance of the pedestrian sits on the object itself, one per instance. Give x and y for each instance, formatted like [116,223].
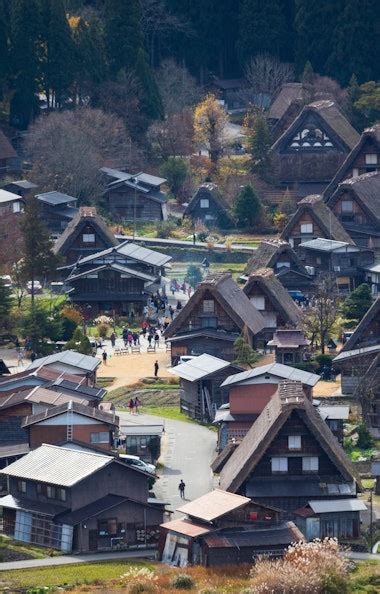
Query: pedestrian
[104,357]
[179,306]
[113,339]
[20,359]
[137,404]
[130,339]
[156,368]
[150,337]
[171,311]
[156,340]
[181,489]
[33,356]
[189,291]
[130,406]
[136,339]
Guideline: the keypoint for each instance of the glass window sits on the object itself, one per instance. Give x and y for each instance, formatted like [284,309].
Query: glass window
[294,442]
[205,203]
[62,494]
[259,302]
[371,159]
[208,306]
[279,464]
[347,206]
[21,486]
[88,237]
[209,322]
[16,207]
[307,228]
[310,464]
[100,437]
[355,172]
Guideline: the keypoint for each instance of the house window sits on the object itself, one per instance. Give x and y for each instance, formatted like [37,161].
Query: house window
[16,207]
[88,237]
[347,206]
[279,464]
[205,203]
[209,322]
[355,172]
[108,527]
[371,159]
[259,302]
[101,437]
[282,264]
[307,228]
[62,494]
[310,464]
[21,486]
[208,306]
[294,442]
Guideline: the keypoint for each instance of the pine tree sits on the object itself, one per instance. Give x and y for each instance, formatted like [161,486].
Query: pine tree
[150,96]
[244,353]
[79,343]
[37,256]
[307,80]
[4,56]
[259,143]
[6,302]
[358,303]
[247,207]
[25,60]
[262,28]
[123,34]
[58,59]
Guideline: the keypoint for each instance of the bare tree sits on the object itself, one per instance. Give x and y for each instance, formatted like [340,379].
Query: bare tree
[265,76]
[11,241]
[173,136]
[321,315]
[178,89]
[67,149]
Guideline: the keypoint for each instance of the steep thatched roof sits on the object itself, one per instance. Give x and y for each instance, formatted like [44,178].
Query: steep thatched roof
[6,149]
[208,190]
[354,341]
[267,253]
[232,299]
[366,190]
[265,279]
[324,217]
[288,94]
[85,215]
[289,397]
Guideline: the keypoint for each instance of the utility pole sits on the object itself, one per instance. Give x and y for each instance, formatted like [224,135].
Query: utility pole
[134,209]
[371,522]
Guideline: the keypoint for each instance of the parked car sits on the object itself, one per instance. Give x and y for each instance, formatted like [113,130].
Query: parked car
[297,296]
[136,461]
[36,289]
[6,280]
[346,334]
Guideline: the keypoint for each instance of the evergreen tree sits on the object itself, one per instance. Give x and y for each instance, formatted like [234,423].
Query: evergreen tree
[358,303]
[25,60]
[247,207]
[175,170]
[307,80]
[259,143]
[79,343]
[262,28]
[123,35]
[150,96]
[5,302]
[37,256]
[58,59]
[194,275]
[4,56]
[244,353]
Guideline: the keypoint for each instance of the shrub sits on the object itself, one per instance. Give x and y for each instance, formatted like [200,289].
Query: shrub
[365,440]
[165,229]
[103,330]
[182,581]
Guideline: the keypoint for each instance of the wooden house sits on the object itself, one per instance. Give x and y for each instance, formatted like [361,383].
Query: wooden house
[313,219]
[285,108]
[134,197]
[222,528]
[339,259]
[76,500]
[85,235]
[208,205]
[310,151]
[287,266]
[335,416]
[272,300]
[290,459]
[8,155]
[10,203]
[247,394]
[364,158]
[289,346]
[118,279]
[57,210]
[200,380]
[356,203]
[69,362]
[216,314]
[22,187]
[71,421]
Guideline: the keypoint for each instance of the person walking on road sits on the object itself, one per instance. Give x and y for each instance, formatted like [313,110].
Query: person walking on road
[104,357]
[156,368]
[137,404]
[130,406]
[113,339]
[181,489]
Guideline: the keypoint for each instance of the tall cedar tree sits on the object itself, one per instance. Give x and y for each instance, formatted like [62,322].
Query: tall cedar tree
[150,96]
[262,27]
[315,23]
[123,35]
[25,60]
[356,48]
[4,57]
[58,59]
[259,143]
[37,256]
[358,303]
[5,302]
[247,207]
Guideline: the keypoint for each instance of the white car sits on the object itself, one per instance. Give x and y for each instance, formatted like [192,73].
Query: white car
[6,280]
[136,461]
[37,287]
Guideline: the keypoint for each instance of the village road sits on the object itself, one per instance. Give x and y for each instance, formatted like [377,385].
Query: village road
[187,452]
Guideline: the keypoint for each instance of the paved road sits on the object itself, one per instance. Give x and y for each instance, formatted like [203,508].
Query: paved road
[187,452]
[74,559]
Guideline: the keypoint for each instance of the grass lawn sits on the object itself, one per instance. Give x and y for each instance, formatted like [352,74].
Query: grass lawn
[7,545]
[365,578]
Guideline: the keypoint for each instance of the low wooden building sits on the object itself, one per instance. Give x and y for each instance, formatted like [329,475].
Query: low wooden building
[10,203]
[356,203]
[364,158]
[85,235]
[22,187]
[313,147]
[208,206]
[57,210]
[216,314]
[70,362]
[8,156]
[290,459]
[289,346]
[287,266]
[135,197]
[272,300]
[84,501]
[200,381]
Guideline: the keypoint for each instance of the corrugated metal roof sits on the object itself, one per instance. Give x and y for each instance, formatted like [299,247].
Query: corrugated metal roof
[24,184]
[213,505]
[54,198]
[186,527]
[337,505]
[357,352]
[6,196]
[275,536]
[151,180]
[143,254]
[276,369]
[57,466]
[199,367]
[334,412]
[71,358]
[327,245]
[41,507]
